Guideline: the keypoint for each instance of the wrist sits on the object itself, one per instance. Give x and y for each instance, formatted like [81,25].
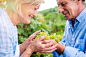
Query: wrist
[60,48]
[29,50]
[23,47]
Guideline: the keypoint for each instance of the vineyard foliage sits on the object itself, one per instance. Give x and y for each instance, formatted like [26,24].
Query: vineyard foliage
[53,23]
[49,21]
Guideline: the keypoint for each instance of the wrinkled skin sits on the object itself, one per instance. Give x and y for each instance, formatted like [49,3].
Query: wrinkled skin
[47,47]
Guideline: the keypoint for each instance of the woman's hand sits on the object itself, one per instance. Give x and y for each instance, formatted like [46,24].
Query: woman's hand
[43,46]
[32,37]
[28,41]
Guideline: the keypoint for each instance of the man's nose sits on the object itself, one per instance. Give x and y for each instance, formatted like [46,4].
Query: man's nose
[61,9]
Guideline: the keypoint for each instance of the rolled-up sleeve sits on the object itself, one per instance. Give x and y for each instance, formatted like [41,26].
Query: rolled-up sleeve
[73,52]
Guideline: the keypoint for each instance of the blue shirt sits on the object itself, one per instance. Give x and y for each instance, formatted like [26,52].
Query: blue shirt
[74,38]
[8,35]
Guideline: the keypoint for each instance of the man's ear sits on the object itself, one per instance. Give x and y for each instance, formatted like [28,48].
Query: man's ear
[77,1]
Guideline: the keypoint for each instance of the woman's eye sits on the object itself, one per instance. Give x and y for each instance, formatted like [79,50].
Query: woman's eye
[35,9]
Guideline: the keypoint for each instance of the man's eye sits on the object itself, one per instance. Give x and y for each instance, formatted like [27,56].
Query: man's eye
[63,4]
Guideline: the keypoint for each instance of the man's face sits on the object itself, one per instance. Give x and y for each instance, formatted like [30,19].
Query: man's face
[68,8]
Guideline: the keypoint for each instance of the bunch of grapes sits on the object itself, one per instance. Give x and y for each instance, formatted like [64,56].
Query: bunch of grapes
[48,37]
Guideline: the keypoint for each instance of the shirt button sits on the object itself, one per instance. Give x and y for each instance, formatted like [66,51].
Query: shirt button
[72,39]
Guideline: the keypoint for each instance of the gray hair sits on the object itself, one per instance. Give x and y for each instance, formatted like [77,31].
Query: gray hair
[82,1]
[74,0]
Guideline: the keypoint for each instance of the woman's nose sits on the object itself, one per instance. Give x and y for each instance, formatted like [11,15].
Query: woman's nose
[35,14]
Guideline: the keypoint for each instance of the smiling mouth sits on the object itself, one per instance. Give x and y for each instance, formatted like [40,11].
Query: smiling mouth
[65,14]
[29,16]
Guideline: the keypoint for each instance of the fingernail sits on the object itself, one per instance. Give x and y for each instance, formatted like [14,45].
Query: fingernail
[45,35]
[39,30]
[53,39]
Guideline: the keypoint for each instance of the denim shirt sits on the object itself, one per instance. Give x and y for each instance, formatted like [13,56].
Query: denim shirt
[74,38]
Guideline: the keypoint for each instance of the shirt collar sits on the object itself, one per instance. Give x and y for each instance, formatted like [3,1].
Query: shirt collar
[81,16]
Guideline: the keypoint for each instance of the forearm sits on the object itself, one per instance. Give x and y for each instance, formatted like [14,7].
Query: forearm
[60,48]
[27,52]
[23,46]
[59,51]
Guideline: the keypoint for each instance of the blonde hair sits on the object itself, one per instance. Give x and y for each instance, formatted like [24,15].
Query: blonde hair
[16,4]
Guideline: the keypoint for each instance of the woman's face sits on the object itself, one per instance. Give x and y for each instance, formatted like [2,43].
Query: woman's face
[28,11]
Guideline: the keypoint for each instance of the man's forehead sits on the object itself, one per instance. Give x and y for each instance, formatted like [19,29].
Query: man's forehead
[56,0]
[62,0]
[59,1]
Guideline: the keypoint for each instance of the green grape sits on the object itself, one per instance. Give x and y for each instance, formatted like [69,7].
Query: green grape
[38,54]
[53,36]
[42,34]
[59,37]
[48,37]
[56,39]
[37,36]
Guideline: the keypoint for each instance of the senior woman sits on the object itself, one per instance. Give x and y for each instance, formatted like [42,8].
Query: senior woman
[18,11]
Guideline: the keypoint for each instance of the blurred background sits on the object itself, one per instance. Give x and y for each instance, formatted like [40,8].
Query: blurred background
[48,20]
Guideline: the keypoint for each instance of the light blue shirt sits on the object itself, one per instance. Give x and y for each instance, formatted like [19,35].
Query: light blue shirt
[74,38]
[8,35]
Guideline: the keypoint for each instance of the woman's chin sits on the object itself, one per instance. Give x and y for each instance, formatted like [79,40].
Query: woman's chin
[28,22]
